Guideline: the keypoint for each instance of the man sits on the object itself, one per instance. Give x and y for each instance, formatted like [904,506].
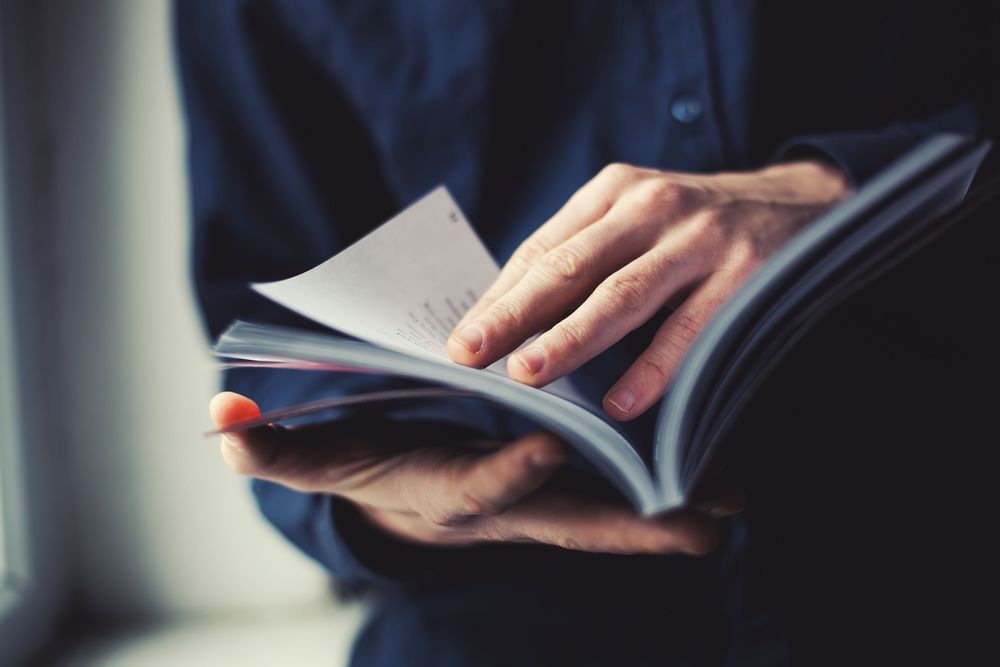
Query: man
[627,161]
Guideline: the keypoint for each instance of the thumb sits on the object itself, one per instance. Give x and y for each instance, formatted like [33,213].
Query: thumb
[249,451]
[491,483]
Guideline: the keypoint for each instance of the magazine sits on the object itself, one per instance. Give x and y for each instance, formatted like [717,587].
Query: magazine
[394,296]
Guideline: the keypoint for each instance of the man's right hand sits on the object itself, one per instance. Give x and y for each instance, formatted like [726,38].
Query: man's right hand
[457,493]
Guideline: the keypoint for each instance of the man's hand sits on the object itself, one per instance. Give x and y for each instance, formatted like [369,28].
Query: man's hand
[626,244]
[459,493]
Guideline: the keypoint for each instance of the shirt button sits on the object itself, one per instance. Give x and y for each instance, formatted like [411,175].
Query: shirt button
[686,109]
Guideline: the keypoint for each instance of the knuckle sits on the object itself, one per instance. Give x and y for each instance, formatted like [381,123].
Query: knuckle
[566,540]
[571,336]
[657,264]
[251,462]
[471,504]
[660,196]
[709,230]
[658,364]
[494,530]
[506,314]
[617,172]
[566,263]
[708,223]
[627,293]
[445,517]
[661,359]
[529,252]
[684,328]
[745,256]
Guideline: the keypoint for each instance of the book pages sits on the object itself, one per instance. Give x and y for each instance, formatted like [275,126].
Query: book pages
[404,286]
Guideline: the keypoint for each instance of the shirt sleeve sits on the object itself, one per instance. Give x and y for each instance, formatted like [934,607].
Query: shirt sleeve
[282,175]
[862,154]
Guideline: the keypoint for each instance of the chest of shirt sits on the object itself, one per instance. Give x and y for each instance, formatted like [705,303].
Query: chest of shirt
[516,105]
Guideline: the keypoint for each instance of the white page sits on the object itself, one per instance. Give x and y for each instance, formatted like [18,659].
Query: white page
[403,286]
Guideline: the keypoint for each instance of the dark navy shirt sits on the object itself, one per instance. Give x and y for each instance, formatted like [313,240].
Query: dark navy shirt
[311,122]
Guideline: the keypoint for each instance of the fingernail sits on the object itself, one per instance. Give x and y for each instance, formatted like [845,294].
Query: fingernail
[470,338]
[622,398]
[532,358]
[231,439]
[718,512]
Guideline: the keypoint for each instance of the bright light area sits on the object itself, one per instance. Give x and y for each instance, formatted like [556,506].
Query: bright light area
[320,638]
[165,528]
[5,408]
[7,360]
[160,527]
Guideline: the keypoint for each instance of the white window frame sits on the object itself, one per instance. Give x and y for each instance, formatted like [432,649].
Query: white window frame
[15,569]
[35,581]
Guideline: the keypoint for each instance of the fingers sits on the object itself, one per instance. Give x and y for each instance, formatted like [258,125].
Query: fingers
[589,204]
[440,494]
[562,277]
[489,484]
[568,523]
[306,459]
[493,497]
[620,304]
[646,381]
[568,273]
[436,496]
[577,522]
[246,452]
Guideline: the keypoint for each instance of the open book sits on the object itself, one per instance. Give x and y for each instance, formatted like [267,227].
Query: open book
[399,291]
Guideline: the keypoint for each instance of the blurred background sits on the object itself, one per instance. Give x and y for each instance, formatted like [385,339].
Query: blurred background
[124,539]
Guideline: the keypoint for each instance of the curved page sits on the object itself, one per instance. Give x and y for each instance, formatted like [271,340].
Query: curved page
[587,432]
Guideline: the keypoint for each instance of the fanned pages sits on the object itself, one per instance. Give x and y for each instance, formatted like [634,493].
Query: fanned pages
[585,430]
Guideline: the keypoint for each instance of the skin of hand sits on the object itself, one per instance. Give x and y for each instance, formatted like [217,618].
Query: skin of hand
[455,493]
[626,244]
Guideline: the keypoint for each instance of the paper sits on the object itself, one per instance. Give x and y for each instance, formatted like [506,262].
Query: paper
[404,286]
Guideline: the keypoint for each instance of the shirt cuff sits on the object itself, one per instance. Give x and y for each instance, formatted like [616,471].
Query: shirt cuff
[862,154]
